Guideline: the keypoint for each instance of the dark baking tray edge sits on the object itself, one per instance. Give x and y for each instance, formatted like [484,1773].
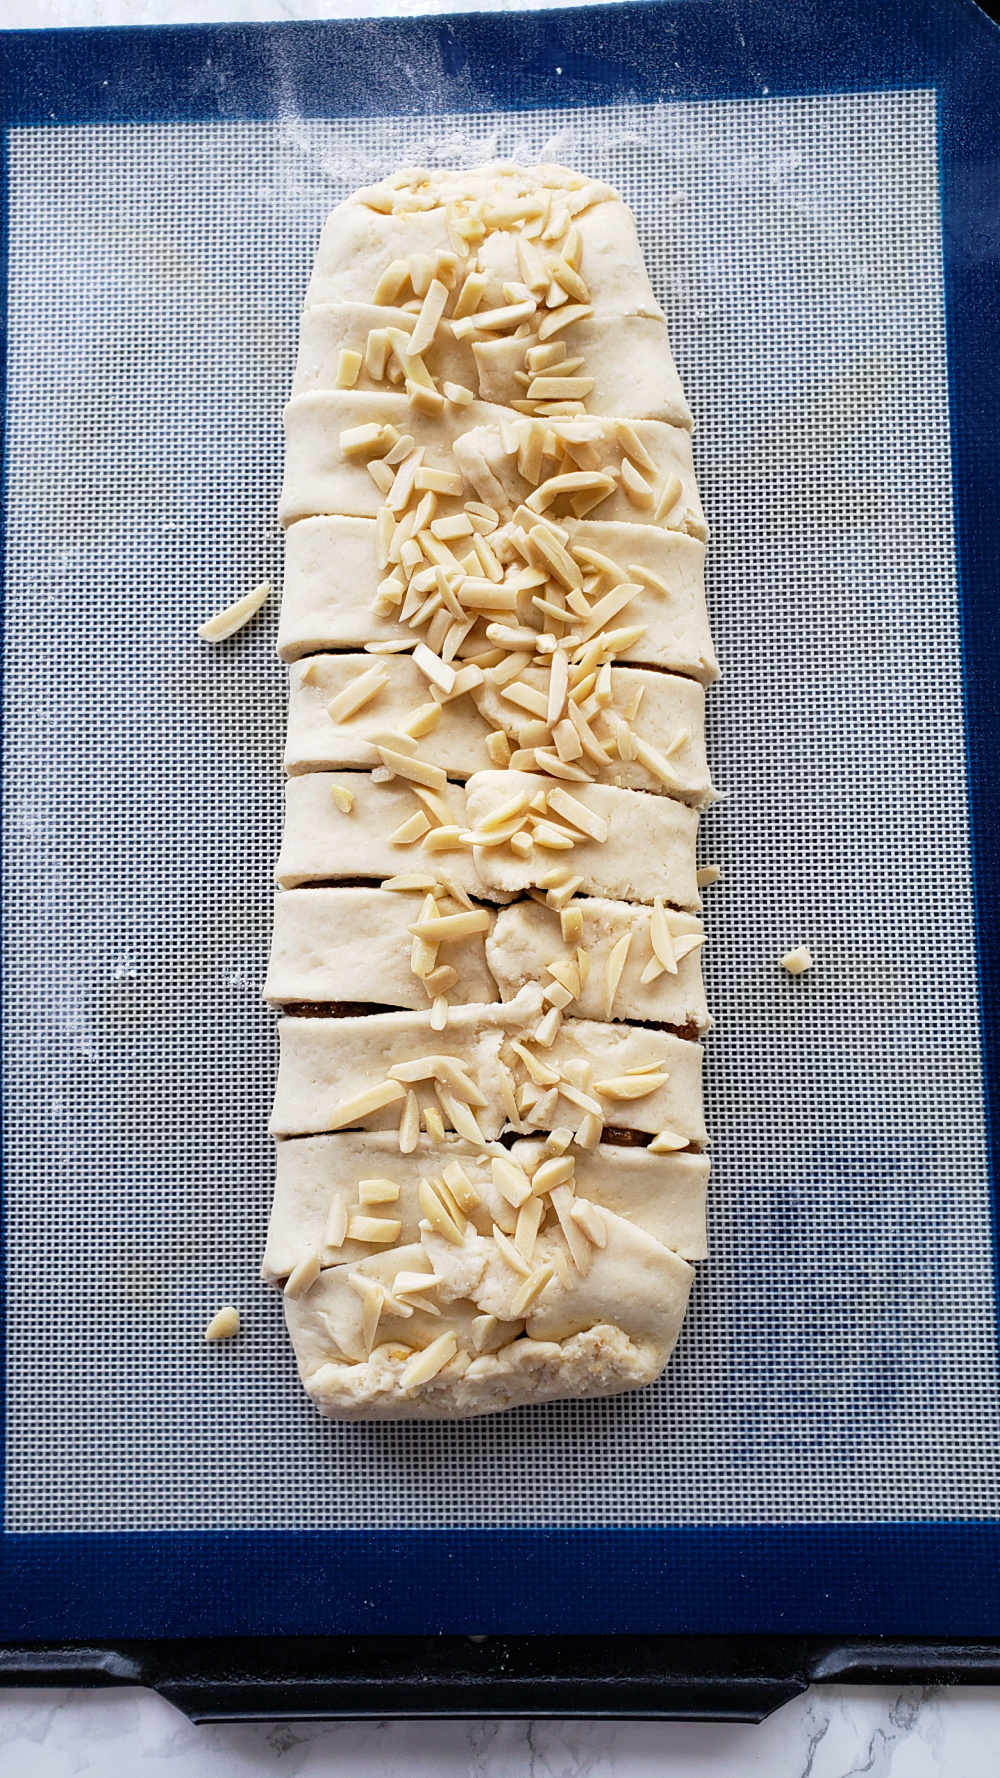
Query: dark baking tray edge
[694,1678]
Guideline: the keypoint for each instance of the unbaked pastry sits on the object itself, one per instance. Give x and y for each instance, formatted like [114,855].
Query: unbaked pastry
[332,577]
[495,616]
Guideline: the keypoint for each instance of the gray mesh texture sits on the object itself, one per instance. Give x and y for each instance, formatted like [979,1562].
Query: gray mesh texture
[839,1360]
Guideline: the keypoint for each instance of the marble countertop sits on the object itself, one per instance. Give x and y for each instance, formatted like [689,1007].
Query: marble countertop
[830,1732]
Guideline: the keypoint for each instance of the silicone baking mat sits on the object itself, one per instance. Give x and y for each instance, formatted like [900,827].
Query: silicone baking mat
[839,1367]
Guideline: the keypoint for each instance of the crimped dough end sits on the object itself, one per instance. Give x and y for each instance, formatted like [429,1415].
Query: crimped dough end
[601,1361]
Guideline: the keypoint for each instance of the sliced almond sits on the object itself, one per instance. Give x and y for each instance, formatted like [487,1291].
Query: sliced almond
[798,961]
[577,814]
[588,1217]
[569,745]
[618,641]
[547,1029]
[655,762]
[437,1215]
[531,1289]
[629,440]
[303,1276]
[410,830]
[377,1230]
[558,894]
[460,1115]
[409,1124]
[441,980]
[448,927]
[554,323]
[348,370]
[426,401]
[557,1170]
[550,838]
[559,389]
[573,482]
[461,1186]
[507,1251]
[557,995]
[494,320]
[571,924]
[589,1131]
[471,295]
[427,1363]
[566,971]
[359,692]
[539,358]
[583,1100]
[608,607]
[529,1219]
[375,1098]
[412,883]
[561,768]
[498,748]
[422,721]
[691,941]
[416,770]
[430,314]
[630,1086]
[226,623]
[667,1142]
[381,473]
[439,1067]
[373,1299]
[433,668]
[335,1233]
[526,698]
[635,484]
[660,939]
[444,839]
[377,1191]
[376,353]
[391,282]
[580,1249]
[668,499]
[224,1324]
[561,1264]
[511,1180]
[554,557]
[354,441]
[404,482]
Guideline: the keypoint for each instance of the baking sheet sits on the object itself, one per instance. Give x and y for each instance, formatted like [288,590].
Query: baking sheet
[839,1362]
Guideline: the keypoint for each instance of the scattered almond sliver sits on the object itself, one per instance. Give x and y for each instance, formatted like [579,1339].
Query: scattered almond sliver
[224,1324]
[226,623]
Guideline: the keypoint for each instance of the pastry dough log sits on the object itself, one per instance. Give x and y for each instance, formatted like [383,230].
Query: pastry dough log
[322,475]
[332,576]
[494,614]
[669,706]
[663,1194]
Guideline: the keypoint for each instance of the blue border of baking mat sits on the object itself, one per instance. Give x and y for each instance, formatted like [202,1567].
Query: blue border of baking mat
[922,1579]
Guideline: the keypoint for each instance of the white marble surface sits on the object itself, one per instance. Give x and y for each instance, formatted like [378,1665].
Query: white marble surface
[831,1732]
[35,14]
